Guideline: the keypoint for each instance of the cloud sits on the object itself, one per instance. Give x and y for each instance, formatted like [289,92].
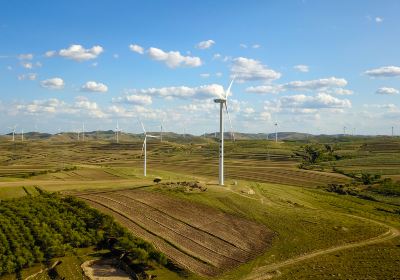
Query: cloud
[79,53]
[205,75]
[310,85]
[274,89]
[134,99]
[301,68]
[378,19]
[27,65]
[29,76]
[217,56]
[50,53]
[205,44]
[320,101]
[182,92]
[386,71]
[51,105]
[247,69]
[92,86]
[174,59]
[341,91]
[136,48]
[256,46]
[243,46]
[87,107]
[27,56]
[387,90]
[53,83]
[316,84]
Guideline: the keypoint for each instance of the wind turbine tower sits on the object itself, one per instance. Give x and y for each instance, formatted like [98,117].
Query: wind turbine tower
[222,103]
[22,135]
[161,131]
[392,131]
[144,148]
[344,131]
[117,133]
[276,132]
[83,131]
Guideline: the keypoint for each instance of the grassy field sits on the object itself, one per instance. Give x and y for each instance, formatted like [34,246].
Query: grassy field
[264,185]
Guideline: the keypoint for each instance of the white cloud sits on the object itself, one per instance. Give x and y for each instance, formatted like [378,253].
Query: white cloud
[310,85]
[243,46]
[386,71]
[136,48]
[320,101]
[27,65]
[29,76]
[247,69]
[256,46]
[174,59]
[316,84]
[205,75]
[183,92]
[87,107]
[387,90]
[216,56]
[218,74]
[205,44]
[116,56]
[274,89]
[53,83]
[301,68]
[27,56]
[378,19]
[51,105]
[50,53]
[79,53]
[134,99]
[341,91]
[93,86]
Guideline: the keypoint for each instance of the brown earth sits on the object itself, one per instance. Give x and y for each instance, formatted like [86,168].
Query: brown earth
[197,237]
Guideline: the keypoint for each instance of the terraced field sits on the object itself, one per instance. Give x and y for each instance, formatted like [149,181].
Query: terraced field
[197,237]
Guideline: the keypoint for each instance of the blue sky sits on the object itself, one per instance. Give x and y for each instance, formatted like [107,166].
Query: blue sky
[312,66]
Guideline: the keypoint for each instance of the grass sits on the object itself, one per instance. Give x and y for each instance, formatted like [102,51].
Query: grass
[290,201]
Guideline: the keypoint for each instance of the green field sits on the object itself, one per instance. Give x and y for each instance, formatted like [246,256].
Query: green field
[318,234]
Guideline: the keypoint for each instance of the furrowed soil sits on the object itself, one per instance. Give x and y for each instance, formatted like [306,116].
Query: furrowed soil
[197,237]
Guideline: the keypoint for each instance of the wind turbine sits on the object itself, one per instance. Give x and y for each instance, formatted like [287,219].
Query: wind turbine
[276,132]
[223,103]
[161,131]
[22,135]
[13,131]
[117,133]
[83,131]
[144,148]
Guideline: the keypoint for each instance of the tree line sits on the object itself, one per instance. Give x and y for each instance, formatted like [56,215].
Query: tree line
[35,229]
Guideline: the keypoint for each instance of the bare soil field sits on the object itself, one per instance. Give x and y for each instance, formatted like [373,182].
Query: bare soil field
[199,238]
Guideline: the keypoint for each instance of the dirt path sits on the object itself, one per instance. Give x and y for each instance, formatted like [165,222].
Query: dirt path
[271,270]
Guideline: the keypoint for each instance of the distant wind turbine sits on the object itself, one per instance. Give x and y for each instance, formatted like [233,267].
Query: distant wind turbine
[117,133]
[223,103]
[144,148]
[161,131]
[276,132]
[22,135]
[83,131]
[13,131]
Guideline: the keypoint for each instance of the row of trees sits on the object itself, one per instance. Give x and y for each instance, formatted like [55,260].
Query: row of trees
[36,229]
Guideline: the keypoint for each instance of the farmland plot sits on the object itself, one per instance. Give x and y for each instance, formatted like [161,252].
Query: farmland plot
[199,238]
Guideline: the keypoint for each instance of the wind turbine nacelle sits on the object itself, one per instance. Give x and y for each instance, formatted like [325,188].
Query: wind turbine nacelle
[219,100]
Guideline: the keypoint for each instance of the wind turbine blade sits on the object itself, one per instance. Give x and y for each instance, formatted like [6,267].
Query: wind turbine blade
[229,88]
[152,136]
[230,122]
[144,130]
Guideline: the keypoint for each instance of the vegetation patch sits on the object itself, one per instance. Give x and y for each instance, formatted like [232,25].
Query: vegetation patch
[36,229]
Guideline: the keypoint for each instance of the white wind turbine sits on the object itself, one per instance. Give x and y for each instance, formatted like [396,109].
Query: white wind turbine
[223,103]
[117,133]
[13,131]
[161,131]
[22,135]
[276,132]
[144,148]
[83,131]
